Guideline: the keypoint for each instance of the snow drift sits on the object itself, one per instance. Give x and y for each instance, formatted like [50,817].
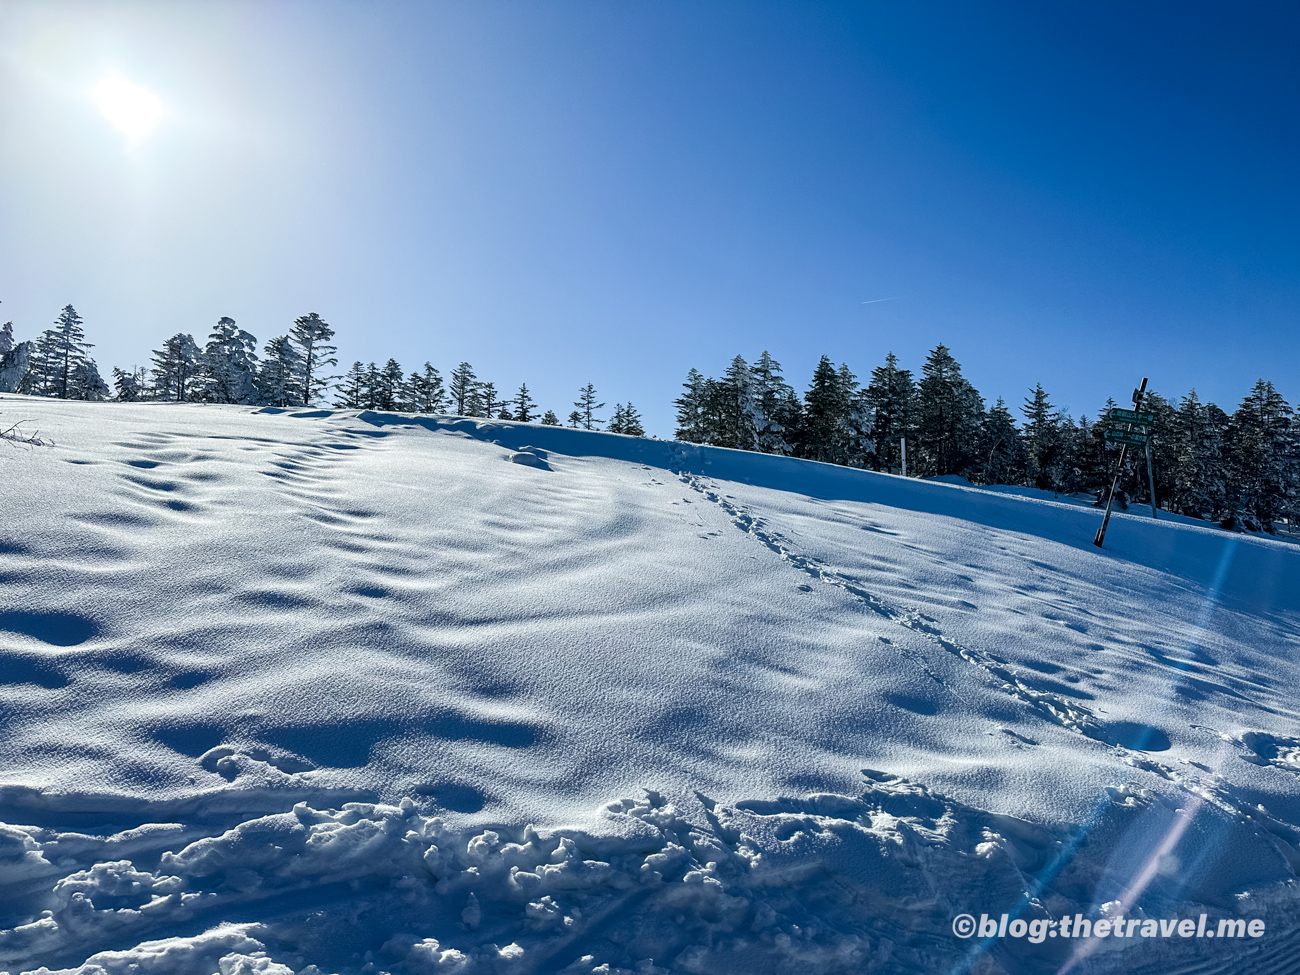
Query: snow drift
[322,692]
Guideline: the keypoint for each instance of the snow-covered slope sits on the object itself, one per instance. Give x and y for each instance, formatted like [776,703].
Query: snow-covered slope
[393,694]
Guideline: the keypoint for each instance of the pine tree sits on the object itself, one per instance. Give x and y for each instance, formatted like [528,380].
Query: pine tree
[524,405]
[351,391]
[311,334]
[691,409]
[176,367]
[857,448]
[474,405]
[778,407]
[488,396]
[549,419]
[949,412]
[891,394]
[129,386]
[389,390]
[587,407]
[87,383]
[427,394]
[1164,448]
[1065,473]
[1099,457]
[575,419]
[1261,460]
[1199,487]
[463,388]
[228,365]
[41,377]
[69,353]
[279,378]
[6,338]
[734,409]
[504,412]
[632,422]
[824,433]
[15,367]
[1002,457]
[370,387]
[1042,437]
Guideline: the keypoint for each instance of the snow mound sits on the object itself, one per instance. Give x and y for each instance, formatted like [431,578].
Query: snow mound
[281,691]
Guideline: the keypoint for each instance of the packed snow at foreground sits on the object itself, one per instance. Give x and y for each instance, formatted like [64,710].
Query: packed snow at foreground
[330,693]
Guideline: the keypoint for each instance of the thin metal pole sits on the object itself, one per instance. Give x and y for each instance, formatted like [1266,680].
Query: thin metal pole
[1151,480]
[1101,532]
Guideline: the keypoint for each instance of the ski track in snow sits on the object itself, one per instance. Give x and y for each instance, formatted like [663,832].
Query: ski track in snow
[215,874]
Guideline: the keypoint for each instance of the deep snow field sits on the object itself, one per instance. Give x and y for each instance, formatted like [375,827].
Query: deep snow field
[325,692]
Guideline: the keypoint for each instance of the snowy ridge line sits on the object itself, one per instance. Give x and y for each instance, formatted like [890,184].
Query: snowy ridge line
[827,883]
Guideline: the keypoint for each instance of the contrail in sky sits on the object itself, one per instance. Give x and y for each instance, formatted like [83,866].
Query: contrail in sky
[874,300]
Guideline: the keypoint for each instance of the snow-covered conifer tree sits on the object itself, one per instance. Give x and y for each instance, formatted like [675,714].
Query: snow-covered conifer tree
[1164,448]
[352,388]
[6,338]
[427,394]
[549,419]
[690,409]
[587,407]
[778,407]
[128,386]
[488,397]
[41,376]
[824,433]
[891,393]
[738,412]
[632,426]
[68,351]
[229,372]
[1199,483]
[389,390]
[280,377]
[370,388]
[1065,473]
[310,335]
[525,407]
[949,414]
[1262,448]
[1042,437]
[86,382]
[1002,455]
[175,368]
[15,367]
[463,389]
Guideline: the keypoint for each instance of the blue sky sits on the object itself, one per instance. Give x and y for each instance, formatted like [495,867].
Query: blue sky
[1077,194]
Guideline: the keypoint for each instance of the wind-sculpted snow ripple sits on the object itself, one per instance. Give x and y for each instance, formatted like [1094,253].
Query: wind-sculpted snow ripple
[1054,707]
[824,883]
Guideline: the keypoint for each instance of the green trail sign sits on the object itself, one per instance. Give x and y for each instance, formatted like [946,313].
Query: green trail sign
[1128,428]
[1139,417]
[1132,438]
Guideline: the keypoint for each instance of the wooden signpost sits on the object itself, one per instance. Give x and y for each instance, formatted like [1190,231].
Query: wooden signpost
[1128,428]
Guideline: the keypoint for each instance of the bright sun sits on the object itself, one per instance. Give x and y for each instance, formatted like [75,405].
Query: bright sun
[129,107]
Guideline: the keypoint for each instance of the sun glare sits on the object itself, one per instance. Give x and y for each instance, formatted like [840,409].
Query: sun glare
[129,107]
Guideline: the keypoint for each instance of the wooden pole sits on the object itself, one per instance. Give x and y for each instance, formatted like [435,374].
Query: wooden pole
[1151,479]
